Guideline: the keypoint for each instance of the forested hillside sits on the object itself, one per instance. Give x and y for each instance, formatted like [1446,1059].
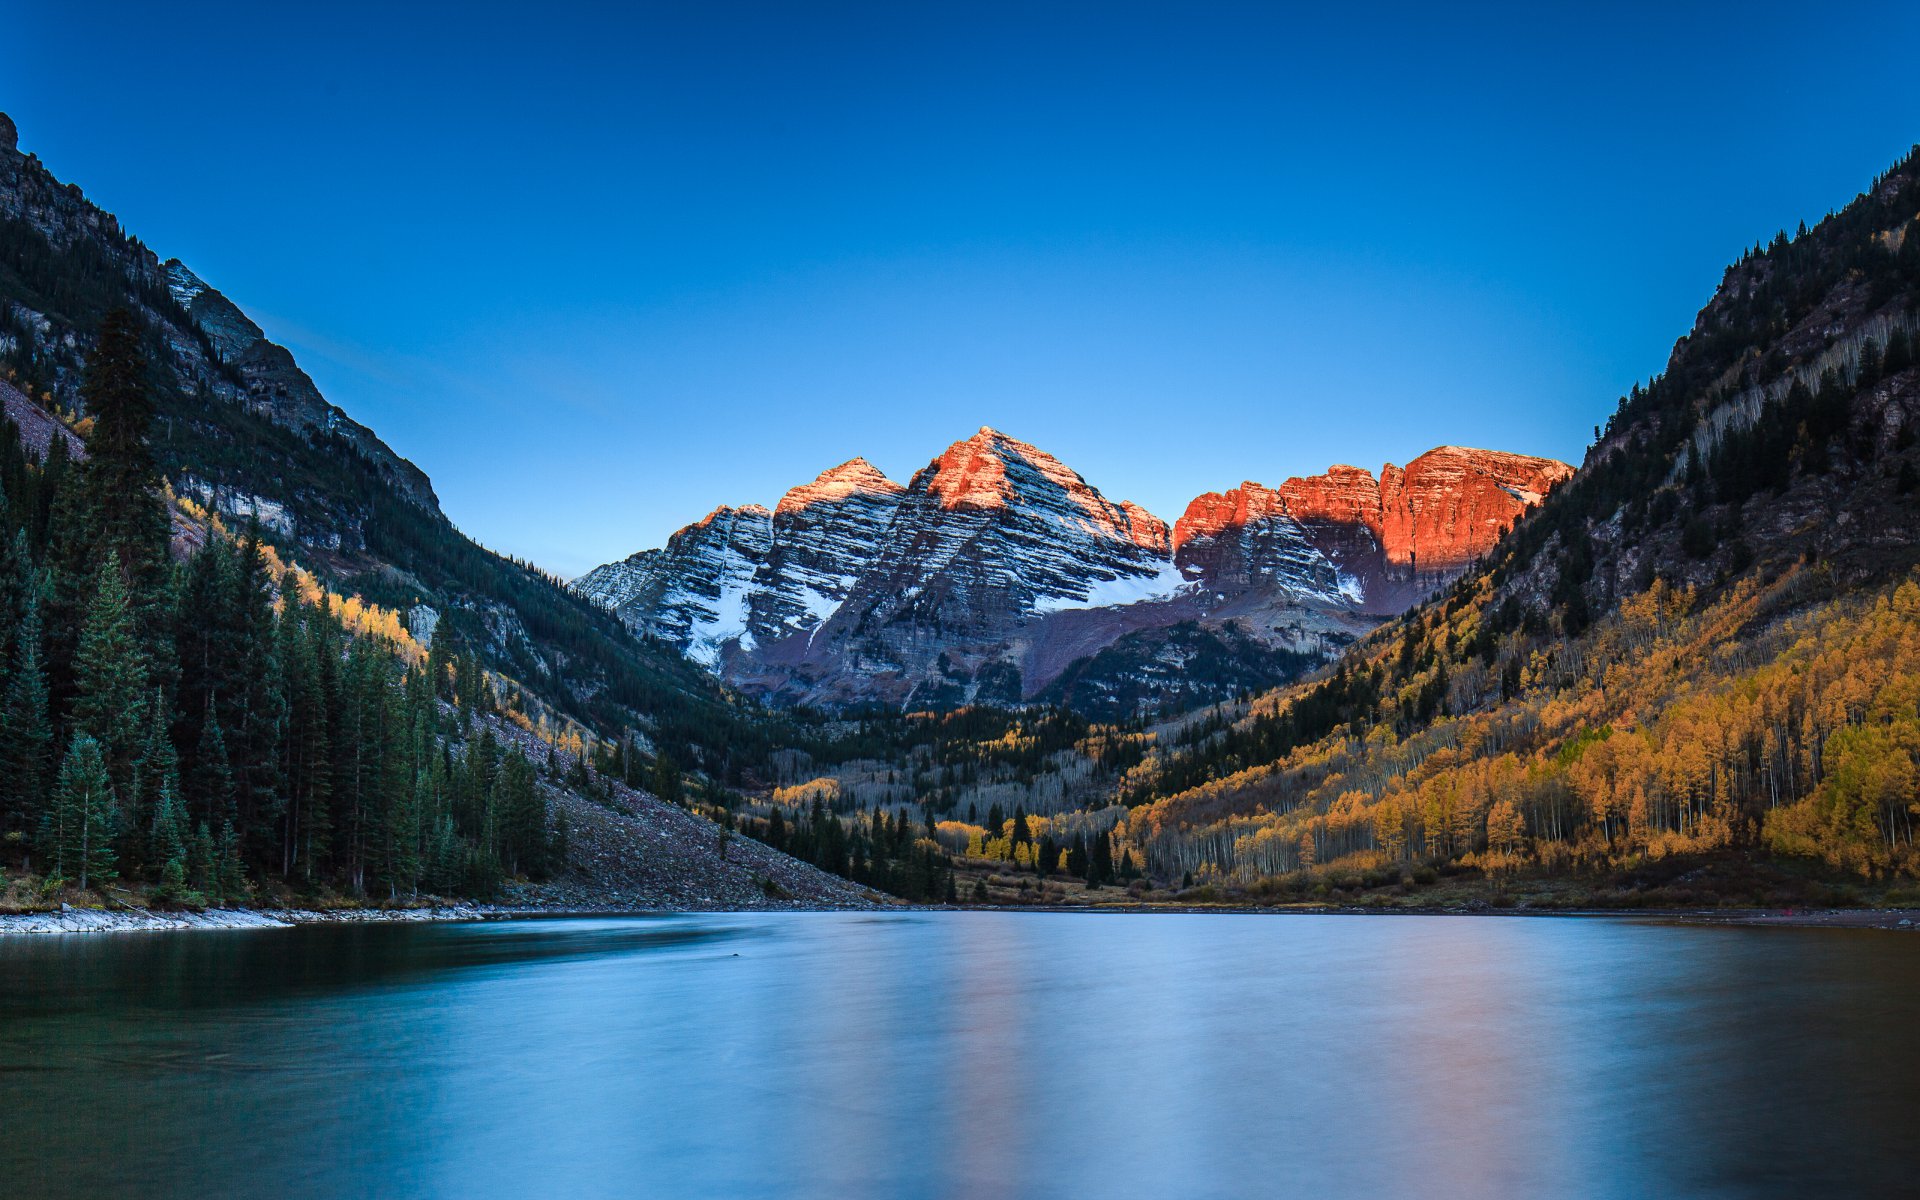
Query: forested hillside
[240,429]
[187,719]
[1706,644]
[245,655]
[211,724]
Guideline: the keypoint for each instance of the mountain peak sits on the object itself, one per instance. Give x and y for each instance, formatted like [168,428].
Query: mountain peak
[854,477]
[9,135]
[991,469]
[727,512]
[998,566]
[1435,515]
[856,470]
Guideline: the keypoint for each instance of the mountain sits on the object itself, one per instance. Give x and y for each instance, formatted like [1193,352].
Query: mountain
[746,576]
[1689,676]
[998,573]
[243,430]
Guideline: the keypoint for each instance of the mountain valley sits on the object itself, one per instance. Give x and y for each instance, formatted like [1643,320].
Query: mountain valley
[1684,670]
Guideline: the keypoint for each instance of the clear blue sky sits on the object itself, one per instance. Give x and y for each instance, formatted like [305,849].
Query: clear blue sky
[599,272]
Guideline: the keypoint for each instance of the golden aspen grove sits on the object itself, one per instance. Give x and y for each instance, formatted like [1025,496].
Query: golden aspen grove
[1654,735]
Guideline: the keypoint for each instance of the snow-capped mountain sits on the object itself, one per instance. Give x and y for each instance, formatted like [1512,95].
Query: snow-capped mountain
[995,531]
[998,571]
[740,578]
[695,592]
[823,540]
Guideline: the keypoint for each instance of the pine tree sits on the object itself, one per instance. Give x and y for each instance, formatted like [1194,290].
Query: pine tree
[156,770]
[17,583]
[210,796]
[200,861]
[77,830]
[26,733]
[666,779]
[200,630]
[69,573]
[125,516]
[445,859]
[522,819]
[167,841]
[440,667]
[110,678]
[256,695]
[307,749]
[229,874]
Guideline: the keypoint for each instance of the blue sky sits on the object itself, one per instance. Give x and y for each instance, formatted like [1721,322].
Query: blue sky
[599,272]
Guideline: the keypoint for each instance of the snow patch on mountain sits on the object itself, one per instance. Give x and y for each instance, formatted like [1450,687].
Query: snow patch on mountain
[725,622]
[1119,592]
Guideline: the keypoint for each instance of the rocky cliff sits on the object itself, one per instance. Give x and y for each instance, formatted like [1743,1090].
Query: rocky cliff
[1382,544]
[277,387]
[72,261]
[694,592]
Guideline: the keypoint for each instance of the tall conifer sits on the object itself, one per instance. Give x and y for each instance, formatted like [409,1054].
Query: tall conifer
[110,677]
[125,514]
[26,732]
[77,832]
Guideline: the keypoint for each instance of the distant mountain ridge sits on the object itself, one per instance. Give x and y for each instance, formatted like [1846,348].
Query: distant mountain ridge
[997,567]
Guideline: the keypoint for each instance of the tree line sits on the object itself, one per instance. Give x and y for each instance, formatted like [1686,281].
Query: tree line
[209,724]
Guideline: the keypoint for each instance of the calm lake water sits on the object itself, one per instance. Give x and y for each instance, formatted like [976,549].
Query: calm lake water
[961,1055]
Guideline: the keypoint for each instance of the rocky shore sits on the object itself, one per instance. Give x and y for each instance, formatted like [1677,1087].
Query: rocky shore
[68,919]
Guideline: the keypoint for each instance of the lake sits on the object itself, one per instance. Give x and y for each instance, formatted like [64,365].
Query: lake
[961,1055]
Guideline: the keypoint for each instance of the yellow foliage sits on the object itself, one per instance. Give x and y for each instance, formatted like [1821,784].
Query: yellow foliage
[825,789]
[1671,727]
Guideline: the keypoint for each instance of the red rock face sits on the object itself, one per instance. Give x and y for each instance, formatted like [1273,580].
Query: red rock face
[1450,505]
[1213,513]
[1396,536]
[855,477]
[1149,532]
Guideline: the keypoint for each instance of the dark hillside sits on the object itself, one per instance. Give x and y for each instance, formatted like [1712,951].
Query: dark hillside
[241,429]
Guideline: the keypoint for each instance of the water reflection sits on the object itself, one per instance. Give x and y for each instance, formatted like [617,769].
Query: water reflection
[954,1055]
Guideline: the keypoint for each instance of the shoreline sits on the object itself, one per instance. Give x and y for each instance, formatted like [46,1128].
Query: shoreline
[69,920]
